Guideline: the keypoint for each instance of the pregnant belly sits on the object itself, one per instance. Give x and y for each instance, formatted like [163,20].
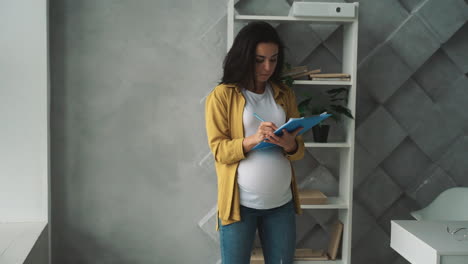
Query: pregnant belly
[265,172]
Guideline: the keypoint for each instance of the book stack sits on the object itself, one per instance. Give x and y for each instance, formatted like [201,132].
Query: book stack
[298,72]
[310,254]
[310,197]
[330,77]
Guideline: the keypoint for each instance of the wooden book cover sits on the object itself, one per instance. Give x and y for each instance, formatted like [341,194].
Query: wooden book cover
[330,75]
[294,71]
[305,73]
[335,238]
[310,254]
[310,197]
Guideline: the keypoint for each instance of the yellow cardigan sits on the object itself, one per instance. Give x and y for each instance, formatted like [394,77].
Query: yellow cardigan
[224,126]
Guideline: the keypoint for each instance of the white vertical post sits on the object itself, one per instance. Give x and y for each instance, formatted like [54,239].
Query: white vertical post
[230,24]
[350,43]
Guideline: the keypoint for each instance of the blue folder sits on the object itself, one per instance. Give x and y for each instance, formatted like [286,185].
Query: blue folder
[294,123]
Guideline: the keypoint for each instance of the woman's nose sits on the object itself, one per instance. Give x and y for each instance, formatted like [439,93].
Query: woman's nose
[267,66]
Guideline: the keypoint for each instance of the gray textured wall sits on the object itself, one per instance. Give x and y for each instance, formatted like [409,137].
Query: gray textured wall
[132,178]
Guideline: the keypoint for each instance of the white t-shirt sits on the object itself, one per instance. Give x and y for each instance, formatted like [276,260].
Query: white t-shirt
[264,176]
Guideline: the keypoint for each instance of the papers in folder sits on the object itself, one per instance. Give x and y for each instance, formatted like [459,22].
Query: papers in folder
[294,123]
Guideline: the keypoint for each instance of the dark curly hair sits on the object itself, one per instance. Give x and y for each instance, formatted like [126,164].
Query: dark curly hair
[239,63]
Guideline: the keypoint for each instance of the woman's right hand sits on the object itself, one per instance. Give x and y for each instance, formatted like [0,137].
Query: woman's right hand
[262,131]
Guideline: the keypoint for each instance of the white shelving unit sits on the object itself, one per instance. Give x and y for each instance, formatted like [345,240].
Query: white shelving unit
[342,203]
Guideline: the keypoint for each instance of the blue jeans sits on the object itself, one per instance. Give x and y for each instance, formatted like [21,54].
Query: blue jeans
[277,231]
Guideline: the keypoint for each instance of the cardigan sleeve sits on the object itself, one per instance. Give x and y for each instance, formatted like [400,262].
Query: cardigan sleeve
[294,113]
[225,149]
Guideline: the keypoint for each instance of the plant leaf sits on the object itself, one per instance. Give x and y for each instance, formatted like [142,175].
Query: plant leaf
[342,110]
[337,91]
[288,80]
[303,106]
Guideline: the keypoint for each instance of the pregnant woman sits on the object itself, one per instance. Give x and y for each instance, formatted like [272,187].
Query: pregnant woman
[256,188]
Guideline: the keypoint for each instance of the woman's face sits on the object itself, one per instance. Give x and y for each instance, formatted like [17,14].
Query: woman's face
[265,61]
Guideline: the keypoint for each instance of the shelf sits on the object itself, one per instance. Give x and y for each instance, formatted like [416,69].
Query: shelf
[309,82]
[338,261]
[327,145]
[332,203]
[318,262]
[294,19]
[257,258]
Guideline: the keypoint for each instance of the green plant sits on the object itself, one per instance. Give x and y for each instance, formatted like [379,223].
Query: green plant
[287,80]
[332,101]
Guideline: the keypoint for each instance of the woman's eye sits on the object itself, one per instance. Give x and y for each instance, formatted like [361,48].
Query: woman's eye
[273,60]
[259,61]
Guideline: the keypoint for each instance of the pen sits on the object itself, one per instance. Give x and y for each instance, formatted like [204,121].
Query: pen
[258,117]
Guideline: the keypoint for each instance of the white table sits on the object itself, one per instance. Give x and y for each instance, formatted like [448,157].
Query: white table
[428,242]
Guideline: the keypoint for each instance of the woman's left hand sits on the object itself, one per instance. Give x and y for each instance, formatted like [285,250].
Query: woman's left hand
[287,141]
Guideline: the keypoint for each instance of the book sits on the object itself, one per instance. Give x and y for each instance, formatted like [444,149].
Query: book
[335,238]
[294,71]
[310,254]
[305,73]
[293,123]
[312,197]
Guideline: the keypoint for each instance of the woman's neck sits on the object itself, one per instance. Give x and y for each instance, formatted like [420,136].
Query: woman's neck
[259,87]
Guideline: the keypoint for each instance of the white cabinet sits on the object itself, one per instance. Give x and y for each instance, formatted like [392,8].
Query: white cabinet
[428,242]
